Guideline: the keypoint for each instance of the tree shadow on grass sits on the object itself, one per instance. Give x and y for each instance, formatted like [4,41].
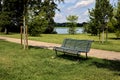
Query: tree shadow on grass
[40,47]
[2,39]
[113,65]
[37,47]
[99,42]
[115,38]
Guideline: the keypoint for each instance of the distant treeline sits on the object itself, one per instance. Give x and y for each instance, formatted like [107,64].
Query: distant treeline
[65,24]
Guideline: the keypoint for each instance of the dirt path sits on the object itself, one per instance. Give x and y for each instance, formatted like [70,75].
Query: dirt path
[111,55]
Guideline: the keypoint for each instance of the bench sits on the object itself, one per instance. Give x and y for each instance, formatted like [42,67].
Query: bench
[74,46]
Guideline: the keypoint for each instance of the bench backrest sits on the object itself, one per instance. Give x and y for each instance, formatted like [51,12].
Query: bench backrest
[83,45]
[79,45]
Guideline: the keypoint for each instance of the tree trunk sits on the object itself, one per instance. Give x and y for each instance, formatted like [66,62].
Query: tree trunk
[103,36]
[24,32]
[21,33]
[106,33]
[6,31]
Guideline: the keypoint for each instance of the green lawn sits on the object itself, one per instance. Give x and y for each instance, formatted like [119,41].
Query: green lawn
[41,64]
[112,44]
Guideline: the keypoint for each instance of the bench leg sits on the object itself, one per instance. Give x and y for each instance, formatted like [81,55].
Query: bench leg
[86,55]
[56,52]
[78,56]
[64,53]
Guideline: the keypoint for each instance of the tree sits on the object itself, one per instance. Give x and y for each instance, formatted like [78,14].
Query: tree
[38,25]
[9,9]
[18,10]
[5,13]
[117,16]
[5,21]
[103,10]
[48,7]
[0,12]
[72,23]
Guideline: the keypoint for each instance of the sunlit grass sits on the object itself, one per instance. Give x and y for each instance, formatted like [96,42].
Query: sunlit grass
[41,64]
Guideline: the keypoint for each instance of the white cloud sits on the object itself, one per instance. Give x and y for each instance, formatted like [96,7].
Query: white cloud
[82,3]
[59,18]
[74,7]
[70,1]
[86,12]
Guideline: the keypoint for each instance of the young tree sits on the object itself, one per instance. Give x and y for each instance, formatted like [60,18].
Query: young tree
[72,23]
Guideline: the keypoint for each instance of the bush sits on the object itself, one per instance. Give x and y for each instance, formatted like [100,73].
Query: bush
[37,26]
[117,34]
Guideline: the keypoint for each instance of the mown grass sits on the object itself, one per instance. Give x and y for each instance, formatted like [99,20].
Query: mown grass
[41,64]
[112,44]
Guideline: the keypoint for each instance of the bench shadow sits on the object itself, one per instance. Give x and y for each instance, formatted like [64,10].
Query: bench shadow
[73,57]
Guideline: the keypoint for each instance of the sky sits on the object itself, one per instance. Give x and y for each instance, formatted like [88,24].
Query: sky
[75,7]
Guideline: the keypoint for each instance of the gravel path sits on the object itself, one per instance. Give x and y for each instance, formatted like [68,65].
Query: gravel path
[110,55]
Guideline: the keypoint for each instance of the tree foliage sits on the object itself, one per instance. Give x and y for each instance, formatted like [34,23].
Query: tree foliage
[49,7]
[117,16]
[103,10]
[5,21]
[13,11]
[46,7]
[38,25]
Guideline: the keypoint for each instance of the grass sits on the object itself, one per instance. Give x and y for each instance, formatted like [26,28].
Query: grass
[111,45]
[41,64]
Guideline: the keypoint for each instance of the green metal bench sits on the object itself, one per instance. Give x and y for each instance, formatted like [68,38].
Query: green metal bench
[74,46]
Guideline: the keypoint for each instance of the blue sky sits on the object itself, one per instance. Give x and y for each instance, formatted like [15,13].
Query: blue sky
[75,7]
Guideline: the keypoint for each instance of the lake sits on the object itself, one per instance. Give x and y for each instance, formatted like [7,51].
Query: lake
[64,30]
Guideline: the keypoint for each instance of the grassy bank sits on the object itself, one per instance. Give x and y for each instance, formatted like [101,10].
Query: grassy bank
[39,64]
